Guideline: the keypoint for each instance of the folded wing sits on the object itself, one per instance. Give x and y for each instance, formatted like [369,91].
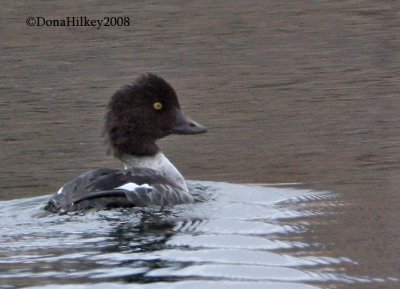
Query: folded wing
[108,188]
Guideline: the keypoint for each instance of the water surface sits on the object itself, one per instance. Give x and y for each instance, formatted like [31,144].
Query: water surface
[291,92]
[238,236]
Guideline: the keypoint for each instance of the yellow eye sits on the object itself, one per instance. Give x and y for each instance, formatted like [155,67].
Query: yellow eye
[157,105]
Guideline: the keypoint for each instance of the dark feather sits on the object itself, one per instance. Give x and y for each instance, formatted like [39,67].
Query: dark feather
[99,189]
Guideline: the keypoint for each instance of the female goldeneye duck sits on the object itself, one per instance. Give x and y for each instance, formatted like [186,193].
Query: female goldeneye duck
[138,115]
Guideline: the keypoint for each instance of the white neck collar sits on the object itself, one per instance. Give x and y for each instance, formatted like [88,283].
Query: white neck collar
[158,162]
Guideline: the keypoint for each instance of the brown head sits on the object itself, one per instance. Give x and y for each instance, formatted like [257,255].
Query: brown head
[143,112]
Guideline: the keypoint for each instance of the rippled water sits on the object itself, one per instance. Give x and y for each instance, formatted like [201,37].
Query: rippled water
[240,236]
[290,91]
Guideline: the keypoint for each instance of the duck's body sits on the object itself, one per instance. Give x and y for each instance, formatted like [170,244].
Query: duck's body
[137,116]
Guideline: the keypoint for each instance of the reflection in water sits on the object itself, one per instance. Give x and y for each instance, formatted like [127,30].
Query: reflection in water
[291,91]
[240,236]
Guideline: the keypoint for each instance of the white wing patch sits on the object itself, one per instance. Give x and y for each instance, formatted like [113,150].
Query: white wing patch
[60,191]
[133,186]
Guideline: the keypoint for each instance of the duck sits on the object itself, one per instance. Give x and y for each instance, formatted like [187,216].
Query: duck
[137,116]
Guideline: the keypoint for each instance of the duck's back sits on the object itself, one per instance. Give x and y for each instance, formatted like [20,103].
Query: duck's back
[105,188]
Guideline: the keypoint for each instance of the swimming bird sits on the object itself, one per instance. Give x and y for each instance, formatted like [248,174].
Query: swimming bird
[137,116]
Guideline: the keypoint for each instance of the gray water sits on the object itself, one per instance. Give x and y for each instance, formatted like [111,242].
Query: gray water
[238,237]
[297,92]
